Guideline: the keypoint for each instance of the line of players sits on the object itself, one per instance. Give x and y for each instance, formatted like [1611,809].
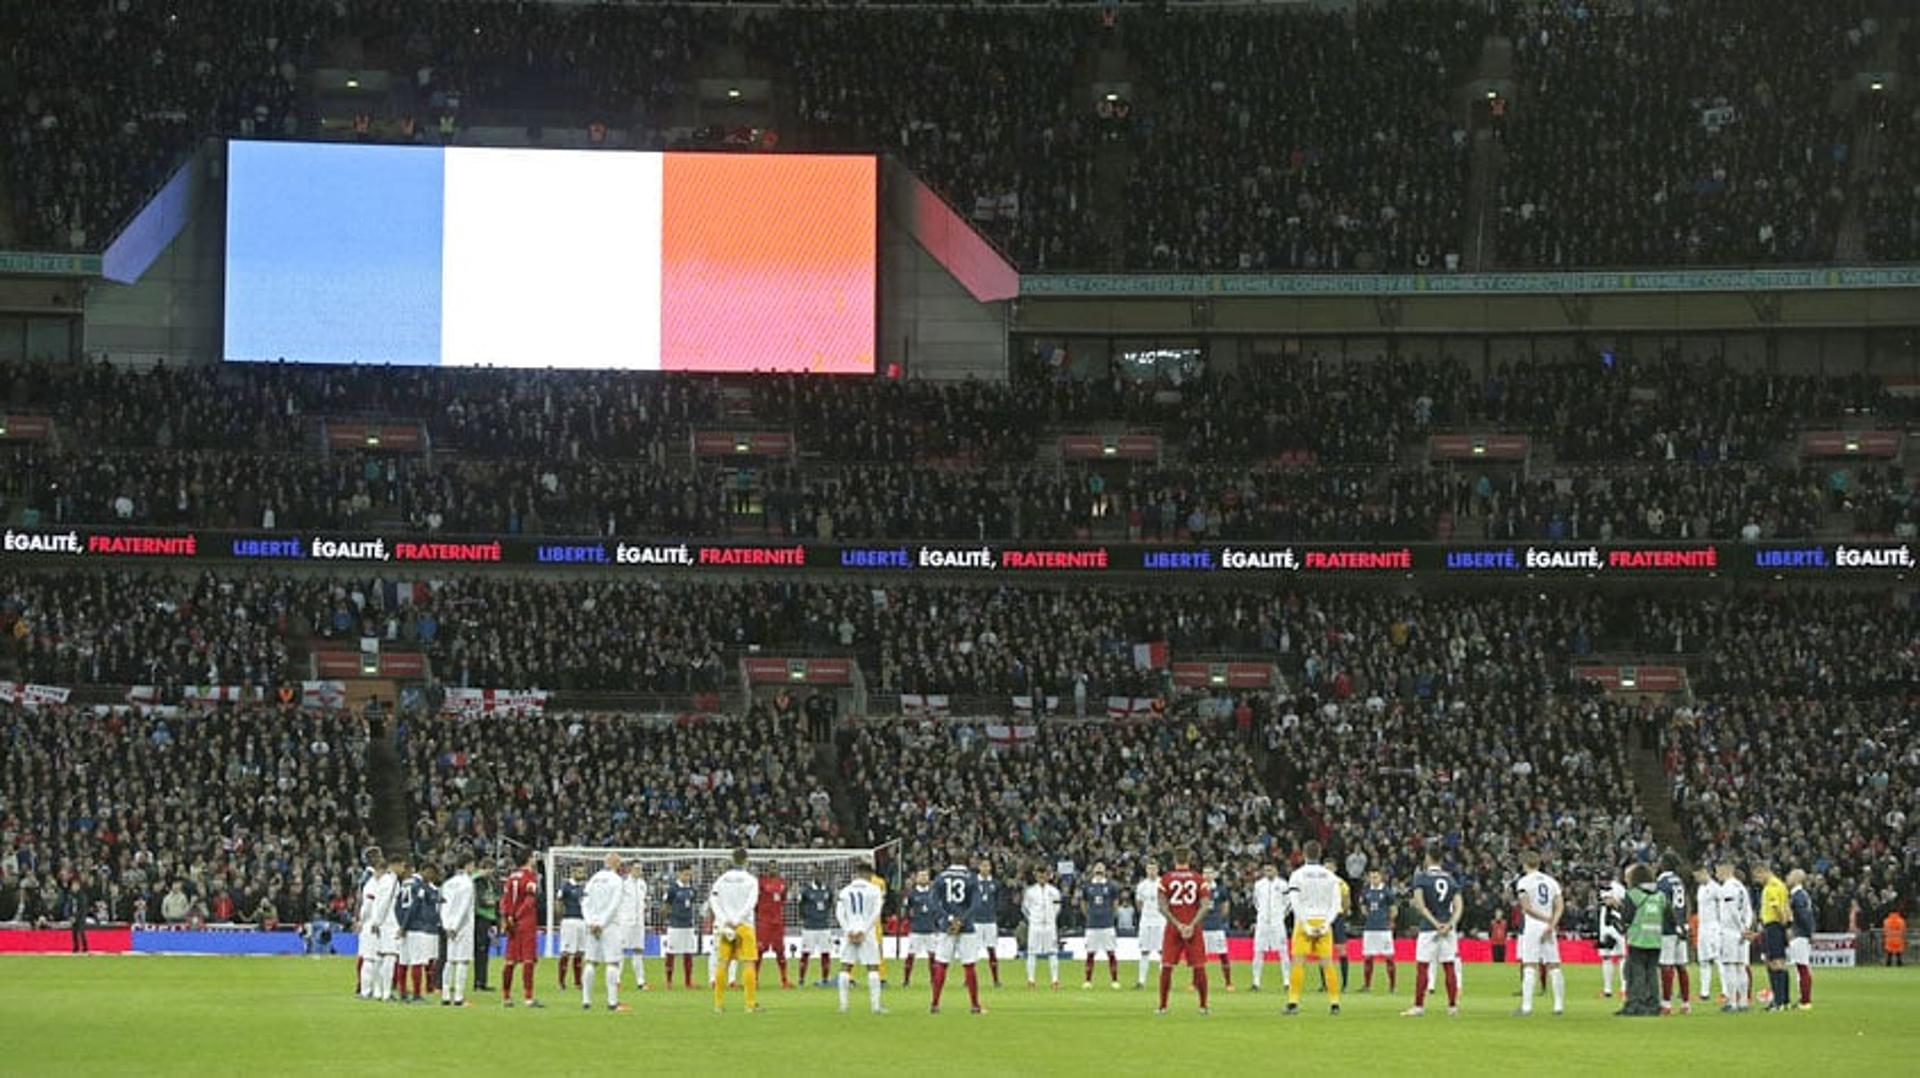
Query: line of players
[952,917]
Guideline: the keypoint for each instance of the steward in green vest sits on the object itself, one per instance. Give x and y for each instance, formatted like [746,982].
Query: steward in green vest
[1646,909]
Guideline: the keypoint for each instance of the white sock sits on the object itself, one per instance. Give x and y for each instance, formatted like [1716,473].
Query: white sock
[873,988]
[1033,960]
[368,971]
[1558,978]
[1053,966]
[1526,989]
[1706,980]
[1257,961]
[586,981]
[846,982]
[640,970]
[460,974]
[1606,976]
[1142,979]
[383,987]
[613,984]
[1286,971]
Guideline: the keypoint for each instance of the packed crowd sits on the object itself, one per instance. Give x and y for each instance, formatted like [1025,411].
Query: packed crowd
[1891,221]
[103,101]
[597,780]
[1486,770]
[1072,795]
[125,628]
[255,816]
[1679,133]
[1679,501]
[982,104]
[1349,154]
[1821,784]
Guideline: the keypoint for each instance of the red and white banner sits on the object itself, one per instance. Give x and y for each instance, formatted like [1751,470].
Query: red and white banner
[1023,706]
[1129,707]
[923,706]
[1001,734]
[495,702]
[323,695]
[1832,949]
[27,695]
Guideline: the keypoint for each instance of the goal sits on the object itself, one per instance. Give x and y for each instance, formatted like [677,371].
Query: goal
[659,866]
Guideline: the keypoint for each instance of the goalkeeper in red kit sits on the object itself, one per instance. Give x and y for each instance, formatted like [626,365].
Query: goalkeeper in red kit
[520,920]
[770,920]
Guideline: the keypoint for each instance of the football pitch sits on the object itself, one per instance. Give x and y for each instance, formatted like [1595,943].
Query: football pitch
[147,1015]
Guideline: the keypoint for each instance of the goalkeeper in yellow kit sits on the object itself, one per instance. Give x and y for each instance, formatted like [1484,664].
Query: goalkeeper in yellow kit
[732,902]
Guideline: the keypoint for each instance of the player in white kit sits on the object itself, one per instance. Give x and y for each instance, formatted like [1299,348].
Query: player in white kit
[376,973]
[1153,926]
[1270,905]
[1706,906]
[633,921]
[600,907]
[456,921]
[1613,938]
[858,911]
[1040,905]
[1735,918]
[1541,907]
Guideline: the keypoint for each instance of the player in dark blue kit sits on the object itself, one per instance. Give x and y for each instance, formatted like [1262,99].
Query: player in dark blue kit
[986,918]
[1378,908]
[1673,935]
[923,923]
[816,927]
[573,926]
[683,925]
[1800,937]
[419,918]
[957,892]
[1213,925]
[1099,904]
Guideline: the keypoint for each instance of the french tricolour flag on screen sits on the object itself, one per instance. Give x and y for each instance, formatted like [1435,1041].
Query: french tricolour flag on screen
[461,256]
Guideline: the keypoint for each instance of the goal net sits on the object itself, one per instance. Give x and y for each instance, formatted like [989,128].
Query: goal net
[660,866]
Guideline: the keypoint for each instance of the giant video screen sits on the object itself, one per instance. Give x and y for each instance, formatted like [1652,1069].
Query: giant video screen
[466,257]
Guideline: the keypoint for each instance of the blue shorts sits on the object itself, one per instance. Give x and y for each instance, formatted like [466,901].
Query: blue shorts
[1773,942]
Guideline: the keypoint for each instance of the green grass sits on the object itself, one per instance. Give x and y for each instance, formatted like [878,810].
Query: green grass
[141,1015]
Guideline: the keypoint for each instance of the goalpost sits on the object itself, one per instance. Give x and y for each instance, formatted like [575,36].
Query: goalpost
[659,865]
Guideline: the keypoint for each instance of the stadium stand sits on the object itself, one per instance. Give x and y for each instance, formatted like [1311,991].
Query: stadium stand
[257,815]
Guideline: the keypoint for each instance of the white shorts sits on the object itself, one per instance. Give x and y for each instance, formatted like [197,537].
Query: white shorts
[460,946]
[422,948]
[963,948]
[1433,947]
[1376,943]
[1270,938]
[1043,941]
[1151,933]
[1735,947]
[1538,945]
[1215,940]
[1709,946]
[606,948]
[1103,941]
[682,941]
[633,937]
[1673,951]
[365,944]
[817,941]
[1614,945]
[923,944]
[389,941]
[573,935]
[1800,951]
[987,937]
[864,953]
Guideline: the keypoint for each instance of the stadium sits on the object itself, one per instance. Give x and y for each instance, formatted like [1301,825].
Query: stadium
[768,538]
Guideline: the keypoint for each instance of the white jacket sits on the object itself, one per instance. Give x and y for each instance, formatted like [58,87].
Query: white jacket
[456,904]
[633,901]
[733,898]
[601,903]
[1270,900]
